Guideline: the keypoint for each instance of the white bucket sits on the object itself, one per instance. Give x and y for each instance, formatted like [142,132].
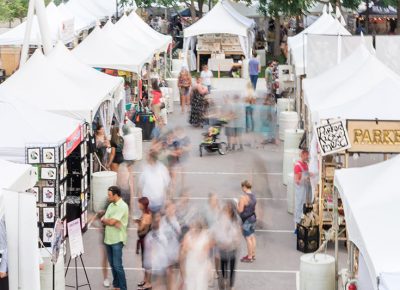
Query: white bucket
[46,275]
[290,193]
[317,272]
[283,105]
[139,142]
[292,138]
[173,84]
[287,120]
[290,156]
[101,182]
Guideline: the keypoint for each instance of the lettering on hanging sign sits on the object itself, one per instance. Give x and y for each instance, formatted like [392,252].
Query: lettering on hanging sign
[332,137]
[374,136]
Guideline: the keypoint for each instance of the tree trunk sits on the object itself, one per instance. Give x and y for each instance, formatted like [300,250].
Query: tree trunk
[367,18]
[200,3]
[398,18]
[277,42]
[193,10]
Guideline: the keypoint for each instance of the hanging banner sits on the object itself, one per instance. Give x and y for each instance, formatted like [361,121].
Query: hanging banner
[332,137]
[374,136]
[73,141]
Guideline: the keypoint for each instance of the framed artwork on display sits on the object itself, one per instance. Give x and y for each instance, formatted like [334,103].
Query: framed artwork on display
[35,191]
[49,214]
[65,150]
[65,169]
[49,194]
[62,175]
[48,173]
[83,221]
[49,155]
[86,183]
[61,152]
[83,167]
[38,214]
[65,229]
[47,236]
[50,183]
[33,155]
[65,209]
[62,192]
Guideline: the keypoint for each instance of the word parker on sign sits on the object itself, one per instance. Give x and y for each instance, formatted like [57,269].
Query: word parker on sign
[376,136]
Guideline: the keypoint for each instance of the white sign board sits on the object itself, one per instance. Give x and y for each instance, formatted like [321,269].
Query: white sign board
[75,238]
[332,137]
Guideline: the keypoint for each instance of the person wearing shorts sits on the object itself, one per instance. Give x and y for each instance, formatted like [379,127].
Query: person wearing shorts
[247,212]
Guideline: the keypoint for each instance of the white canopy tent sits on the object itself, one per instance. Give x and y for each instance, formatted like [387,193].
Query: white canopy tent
[297,44]
[82,20]
[223,18]
[100,50]
[29,125]
[370,198]
[19,211]
[60,84]
[61,27]
[350,89]
[140,27]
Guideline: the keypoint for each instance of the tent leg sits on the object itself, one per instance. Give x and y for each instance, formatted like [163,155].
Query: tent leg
[25,46]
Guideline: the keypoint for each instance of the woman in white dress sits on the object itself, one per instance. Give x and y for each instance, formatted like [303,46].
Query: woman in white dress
[195,256]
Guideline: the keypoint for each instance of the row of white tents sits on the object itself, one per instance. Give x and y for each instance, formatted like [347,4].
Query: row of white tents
[46,101]
[66,21]
[358,87]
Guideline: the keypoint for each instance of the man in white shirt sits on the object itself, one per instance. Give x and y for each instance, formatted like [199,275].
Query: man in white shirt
[154,182]
[206,76]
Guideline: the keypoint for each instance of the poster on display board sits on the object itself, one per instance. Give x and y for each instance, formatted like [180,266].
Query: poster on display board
[332,137]
[58,236]
[75,238]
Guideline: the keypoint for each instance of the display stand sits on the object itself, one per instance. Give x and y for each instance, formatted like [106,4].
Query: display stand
[77,286]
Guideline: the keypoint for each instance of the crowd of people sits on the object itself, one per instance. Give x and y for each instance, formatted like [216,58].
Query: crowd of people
[181,246]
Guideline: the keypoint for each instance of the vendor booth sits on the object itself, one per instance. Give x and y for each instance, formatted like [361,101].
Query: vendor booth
[326,25]
[222,19]
[18,208]
[370,198]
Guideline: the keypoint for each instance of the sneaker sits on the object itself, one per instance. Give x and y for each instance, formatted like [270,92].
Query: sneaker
[246,259]
[106,283]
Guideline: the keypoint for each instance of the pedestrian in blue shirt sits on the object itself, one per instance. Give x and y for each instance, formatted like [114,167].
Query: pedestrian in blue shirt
[254,70]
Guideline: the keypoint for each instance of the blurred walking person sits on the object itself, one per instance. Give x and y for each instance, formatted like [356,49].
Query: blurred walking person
[226,233]
[254,69]
[195,257]
[115,238]
[247,211]
[144,226]
[184,84]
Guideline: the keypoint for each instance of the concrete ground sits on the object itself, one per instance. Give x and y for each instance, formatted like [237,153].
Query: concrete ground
[278,262]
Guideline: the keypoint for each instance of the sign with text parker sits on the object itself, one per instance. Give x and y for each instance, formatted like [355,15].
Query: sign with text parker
[332,137]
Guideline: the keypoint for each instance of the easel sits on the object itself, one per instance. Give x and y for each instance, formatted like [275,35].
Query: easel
[77,286]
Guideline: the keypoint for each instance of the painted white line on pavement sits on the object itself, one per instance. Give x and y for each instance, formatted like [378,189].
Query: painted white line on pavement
[223,173]
[258,231]
[239,271]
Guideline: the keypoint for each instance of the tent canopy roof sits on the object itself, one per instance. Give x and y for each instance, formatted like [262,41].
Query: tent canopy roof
[29,125]
[223,18]
[137,24]
[370,196]
[326,25]
[55,19]
[100,49]
[16,177]
[349,90]
[55,84]
[247,10]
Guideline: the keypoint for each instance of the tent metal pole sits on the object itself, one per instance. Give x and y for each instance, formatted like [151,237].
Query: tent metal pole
[336,231]
[44,26]
[28,29]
